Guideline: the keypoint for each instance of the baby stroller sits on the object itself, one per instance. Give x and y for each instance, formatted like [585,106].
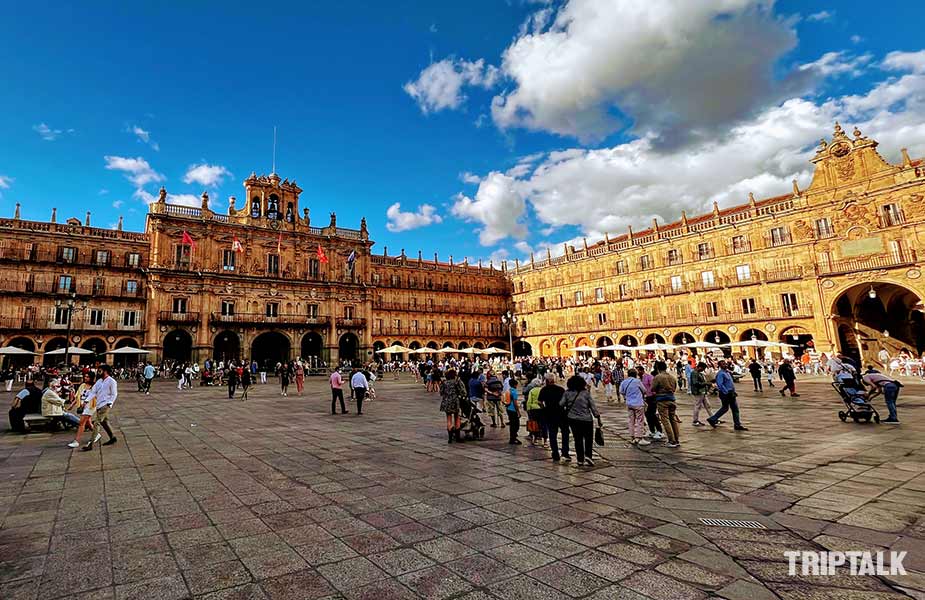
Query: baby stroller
[470,425]
[854,396]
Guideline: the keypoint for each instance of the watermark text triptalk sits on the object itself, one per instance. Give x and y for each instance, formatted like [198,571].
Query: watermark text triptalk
[855,562]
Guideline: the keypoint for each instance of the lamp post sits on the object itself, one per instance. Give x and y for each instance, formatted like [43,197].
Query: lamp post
[509,319]
[70,304]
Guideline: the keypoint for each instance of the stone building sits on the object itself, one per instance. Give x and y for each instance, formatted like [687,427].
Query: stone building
[258,282]
[835,266]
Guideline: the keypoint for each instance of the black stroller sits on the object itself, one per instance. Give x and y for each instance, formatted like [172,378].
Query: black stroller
[470,425]
[855,398]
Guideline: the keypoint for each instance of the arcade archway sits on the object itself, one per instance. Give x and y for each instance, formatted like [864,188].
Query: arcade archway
[269,348]
[523,348]
[348,347]
[227,346]
[312,345]
[798,339]
[95,345]
[682,337]
[545,348]
[604,341]
[629,340]
[879,315]
[377,346]
[655,338]
[178,346]
[20,360]
[53,344]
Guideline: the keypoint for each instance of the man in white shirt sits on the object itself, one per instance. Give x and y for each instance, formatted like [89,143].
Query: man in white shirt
[359,384]
[105,391]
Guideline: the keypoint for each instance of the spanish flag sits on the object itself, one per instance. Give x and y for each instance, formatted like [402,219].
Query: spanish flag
[322,257]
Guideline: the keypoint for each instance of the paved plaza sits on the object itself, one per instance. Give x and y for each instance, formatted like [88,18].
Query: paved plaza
[275,498]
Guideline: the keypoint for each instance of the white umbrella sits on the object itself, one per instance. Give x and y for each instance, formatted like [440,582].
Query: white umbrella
[493,350]
[14,351]
[468,351]
[760,344]
[71,350]
[128,350]
[656,346]
[583,349]
[447,350]
[424,350]
[394,349]
[707,345]
[617,347]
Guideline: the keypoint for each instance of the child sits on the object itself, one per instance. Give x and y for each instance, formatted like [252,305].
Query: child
[633,391]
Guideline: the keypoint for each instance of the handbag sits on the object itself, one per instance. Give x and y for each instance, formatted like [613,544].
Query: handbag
[533,426]
[599,436]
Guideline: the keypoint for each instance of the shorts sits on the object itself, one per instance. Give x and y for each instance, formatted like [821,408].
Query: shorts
[102,414]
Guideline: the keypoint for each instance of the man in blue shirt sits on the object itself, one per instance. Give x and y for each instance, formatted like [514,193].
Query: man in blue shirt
[727,395]
[149,376]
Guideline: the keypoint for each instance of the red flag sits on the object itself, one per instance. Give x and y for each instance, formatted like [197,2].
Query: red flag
[188,239]
[236,245]
[279,243]
[322,258]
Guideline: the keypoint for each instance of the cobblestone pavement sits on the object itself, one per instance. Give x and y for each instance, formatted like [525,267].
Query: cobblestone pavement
[275,498]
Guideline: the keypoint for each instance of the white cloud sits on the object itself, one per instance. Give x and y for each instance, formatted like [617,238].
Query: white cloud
[144,136]
[467,177]
[498,205]
[403,221]
[137,170]
[606,189]
[191,200]
[905,61]
[439,86]
[117,203]
[103,192]
[433,28]
[205,174]
[676,69]
[47,133]
[838,63]
[5,182]
[856,39]
[821,16]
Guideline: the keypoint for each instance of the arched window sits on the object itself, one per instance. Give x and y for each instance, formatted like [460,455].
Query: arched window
[290,214]
[273,207]
[255,207]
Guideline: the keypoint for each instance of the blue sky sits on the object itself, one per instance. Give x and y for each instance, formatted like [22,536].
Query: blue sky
[382,103]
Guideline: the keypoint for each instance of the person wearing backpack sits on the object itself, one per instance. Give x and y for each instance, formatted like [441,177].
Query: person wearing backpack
[513,411]
[535,413]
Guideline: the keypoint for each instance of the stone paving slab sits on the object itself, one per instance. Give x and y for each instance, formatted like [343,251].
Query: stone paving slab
[203,497]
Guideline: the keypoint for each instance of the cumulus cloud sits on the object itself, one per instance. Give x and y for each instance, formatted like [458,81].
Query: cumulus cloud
[606,189]
[403,221]
[205,174]
[117,203]
[905,61]
[137,170]
[5,182]
[678,69]
[440,85]
[191,200]
[467,177]
[143,136]
[47,133]
[822,15]
[838,63]
[498,206]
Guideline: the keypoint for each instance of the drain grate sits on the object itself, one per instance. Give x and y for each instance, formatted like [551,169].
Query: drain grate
[733,523]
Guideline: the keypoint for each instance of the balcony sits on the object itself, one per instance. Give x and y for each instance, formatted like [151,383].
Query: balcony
[345,323]
[706,254]
[855,265]
[84,259]
[891,218]
[706,286]
[783,274]
[264,319]
[80,324]
[674,260]
[742,281]
[166,316]
[776,241]
[739,247]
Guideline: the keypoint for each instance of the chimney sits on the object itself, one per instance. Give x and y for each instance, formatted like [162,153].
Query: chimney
[119,226]
[16,214]
[54,215]
[87,223]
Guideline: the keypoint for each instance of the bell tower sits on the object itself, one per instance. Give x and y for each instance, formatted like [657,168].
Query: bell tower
[271,201]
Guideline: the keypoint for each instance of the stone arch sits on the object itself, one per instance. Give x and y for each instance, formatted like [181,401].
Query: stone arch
[98,346]
[604,341]
[312,345]
[55,343]
[884,313]
[348,347]
[564,347]
[682,337]
[523,348]
[21,360]
[178,346]
[226,346]
[628,340]
[269,348]
[655,338]
[545,348]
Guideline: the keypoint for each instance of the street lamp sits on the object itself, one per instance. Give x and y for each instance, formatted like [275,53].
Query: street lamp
[509,319]
[70,304]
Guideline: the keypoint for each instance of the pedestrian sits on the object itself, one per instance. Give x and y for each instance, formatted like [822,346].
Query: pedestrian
[493,390]
[769,371]
[263,372]
[786,373]
[512,407]
[299,377]
[881,384]
[756,371]
[148,373]
[652,420]
[232,381]
[452,392]
[104,392]
[635,394]
[664,386]
[359,384]
[284,376]
[554,417]
[337,391]
[581,412]
[535,412]
[727,395]
[699,388]
[27,401]
[246,381]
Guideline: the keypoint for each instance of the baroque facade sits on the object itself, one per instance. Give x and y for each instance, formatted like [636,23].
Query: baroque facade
[835,266]
[258,282]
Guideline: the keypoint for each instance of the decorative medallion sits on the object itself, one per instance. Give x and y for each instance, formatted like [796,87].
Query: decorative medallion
[639,334]
[841,149]
[828,284]
[697,331]
[733,329]
[591,337]
[111,339]
[75,339]
[163,329]
[229,288]
[845,168]
[313,293]
[770,327]
[274,224]
[666,332]
[913,274]
[571,338]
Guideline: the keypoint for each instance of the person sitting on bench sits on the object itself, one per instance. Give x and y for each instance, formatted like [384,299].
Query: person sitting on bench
[53,404]
[27,401]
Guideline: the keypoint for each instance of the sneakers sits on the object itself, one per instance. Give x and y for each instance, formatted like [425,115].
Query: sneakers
[794,395]
[96,438]
[672,444]
[580,463]
[740,428]
[712,423]
[566,459]
[74,444]
[658,435]
[890,421]
[588,462]
[111,441]
[698,424]
[643,442]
